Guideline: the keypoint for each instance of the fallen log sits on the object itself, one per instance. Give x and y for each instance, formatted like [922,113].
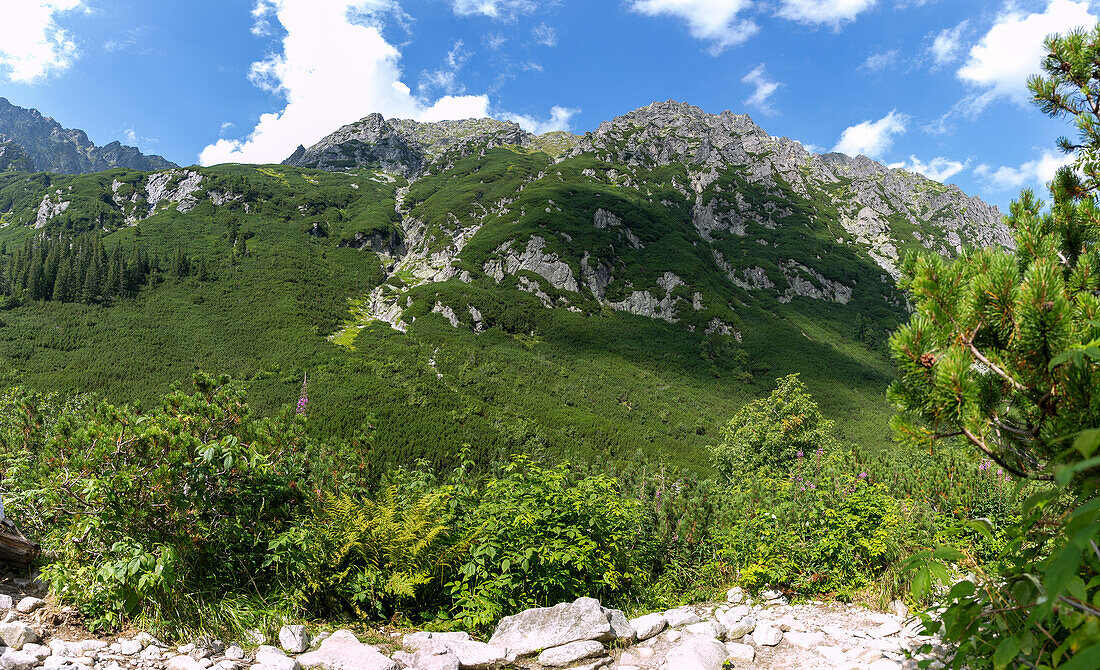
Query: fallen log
[15,549]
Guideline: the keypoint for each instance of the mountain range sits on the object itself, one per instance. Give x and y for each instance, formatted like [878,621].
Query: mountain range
[51,148]
[467,282]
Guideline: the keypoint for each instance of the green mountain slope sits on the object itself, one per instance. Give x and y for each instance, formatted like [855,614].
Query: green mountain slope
[467,283]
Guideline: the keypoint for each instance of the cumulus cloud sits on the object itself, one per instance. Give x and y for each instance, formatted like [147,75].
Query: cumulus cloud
[714,21]
[763,89]
[560,119]
[504,10]
[32,44]
[872,138]
[334,67]
[824,12]
[1036,172]
[938,169]
[947,46]
[999,64]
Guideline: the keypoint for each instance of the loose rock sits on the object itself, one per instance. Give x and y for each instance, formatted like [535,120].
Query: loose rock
[567,654]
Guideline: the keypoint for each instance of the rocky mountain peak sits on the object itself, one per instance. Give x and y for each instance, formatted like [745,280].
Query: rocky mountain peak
[53,148]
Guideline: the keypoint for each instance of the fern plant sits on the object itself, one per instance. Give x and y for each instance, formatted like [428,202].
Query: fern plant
[366,557]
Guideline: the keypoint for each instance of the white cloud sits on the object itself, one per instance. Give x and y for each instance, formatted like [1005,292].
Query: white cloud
[947,45]
[824,12]
[882,60]
[545,35]
[763,89]
[560,118]
[938,169]
[715,21]
[504,10]
[446,77]
[872,138]
[32,45]
[334,68]
[1000,63]
[1036,172]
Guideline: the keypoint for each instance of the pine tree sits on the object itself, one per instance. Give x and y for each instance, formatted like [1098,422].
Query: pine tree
[1003,352]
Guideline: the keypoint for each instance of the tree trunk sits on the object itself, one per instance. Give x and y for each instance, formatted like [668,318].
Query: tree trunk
[14,548]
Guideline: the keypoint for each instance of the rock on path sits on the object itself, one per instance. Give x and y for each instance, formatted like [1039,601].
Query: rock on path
[742,633]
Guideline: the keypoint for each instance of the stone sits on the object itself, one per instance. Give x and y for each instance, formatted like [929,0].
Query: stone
[129,647]
[834,655]
[648,625]
[621,630]
[17,660]
[274,658]
[343,651]
[183,662]
[471,654]
[804,640]
[255,636]
[39,651]
[206,662]
[741,628]
[17,634]
[188,648]
[570,653]
[294,639]
[696,653]
[29,604]
[6,602]
[234,652]
[735,596]
[887,629]
[884,664]
[595,665]
[706,629]
[444,661]
[540,628]
[682,616]
[766,635]
[737,651]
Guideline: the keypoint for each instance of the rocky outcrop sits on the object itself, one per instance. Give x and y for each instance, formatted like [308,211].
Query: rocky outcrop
[532,259]
[13,158]
[52,148]
[404,147]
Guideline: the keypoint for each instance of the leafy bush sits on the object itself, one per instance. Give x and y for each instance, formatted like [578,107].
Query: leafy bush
[772,432]
[182,499]
[541,537]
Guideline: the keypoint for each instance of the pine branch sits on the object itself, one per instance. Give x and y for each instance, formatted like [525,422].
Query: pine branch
[980,444]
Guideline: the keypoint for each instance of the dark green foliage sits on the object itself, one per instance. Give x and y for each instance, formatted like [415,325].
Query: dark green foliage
[1004,352]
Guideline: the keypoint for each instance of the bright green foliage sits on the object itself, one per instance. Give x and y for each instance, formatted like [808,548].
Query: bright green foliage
[821,534]
[1004,351]
[542,536]
[146,507]
[365,557]
[772,432]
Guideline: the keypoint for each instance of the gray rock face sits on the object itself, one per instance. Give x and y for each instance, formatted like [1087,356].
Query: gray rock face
[294,639]
[14,158]
[570,653]
[399,146]
[16,634]
[343,651]
[696,653]
[51,148]
[529,631]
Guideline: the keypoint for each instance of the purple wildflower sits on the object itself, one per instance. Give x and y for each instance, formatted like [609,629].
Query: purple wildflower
[303,398]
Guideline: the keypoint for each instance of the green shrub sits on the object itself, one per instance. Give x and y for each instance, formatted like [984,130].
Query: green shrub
[365,557]
[150,507]
[772,432]
[540,537]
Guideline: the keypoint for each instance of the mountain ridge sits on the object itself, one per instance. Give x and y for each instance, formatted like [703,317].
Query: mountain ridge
[53,148]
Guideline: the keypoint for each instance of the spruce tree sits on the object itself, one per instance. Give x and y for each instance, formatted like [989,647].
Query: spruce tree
[1003,352]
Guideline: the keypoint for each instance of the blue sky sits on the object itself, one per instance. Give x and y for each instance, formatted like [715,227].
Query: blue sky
[936,86]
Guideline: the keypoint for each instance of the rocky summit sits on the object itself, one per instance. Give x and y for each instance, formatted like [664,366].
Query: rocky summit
[52,148]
